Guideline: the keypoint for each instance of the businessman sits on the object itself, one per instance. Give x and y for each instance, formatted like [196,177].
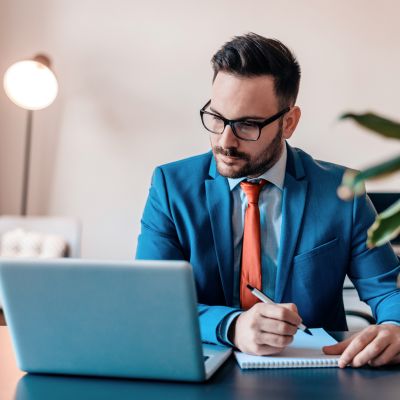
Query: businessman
[257,211]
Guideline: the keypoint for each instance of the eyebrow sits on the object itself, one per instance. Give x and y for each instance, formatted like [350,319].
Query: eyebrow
[241,118]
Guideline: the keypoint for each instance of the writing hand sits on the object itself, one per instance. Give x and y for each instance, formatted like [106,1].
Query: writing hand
[265,329]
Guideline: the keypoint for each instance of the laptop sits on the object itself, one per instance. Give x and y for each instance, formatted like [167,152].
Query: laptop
[106,318]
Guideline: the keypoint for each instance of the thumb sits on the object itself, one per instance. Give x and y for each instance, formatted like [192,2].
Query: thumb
[337,348]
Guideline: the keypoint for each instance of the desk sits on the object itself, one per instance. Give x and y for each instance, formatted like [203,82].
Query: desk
[230,382]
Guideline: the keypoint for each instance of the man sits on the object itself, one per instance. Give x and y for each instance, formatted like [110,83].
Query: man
[257,211]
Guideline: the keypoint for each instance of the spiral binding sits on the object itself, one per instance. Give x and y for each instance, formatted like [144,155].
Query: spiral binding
[312,363]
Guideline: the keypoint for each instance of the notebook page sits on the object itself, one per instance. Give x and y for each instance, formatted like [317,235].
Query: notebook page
[304,351]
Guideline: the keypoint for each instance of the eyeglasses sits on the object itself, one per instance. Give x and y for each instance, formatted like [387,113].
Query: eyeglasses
[244,129]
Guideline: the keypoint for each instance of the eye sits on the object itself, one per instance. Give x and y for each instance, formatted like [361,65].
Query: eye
[246,126]
[248,123]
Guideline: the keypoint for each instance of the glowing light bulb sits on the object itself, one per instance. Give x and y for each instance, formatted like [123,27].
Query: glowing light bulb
[31,84]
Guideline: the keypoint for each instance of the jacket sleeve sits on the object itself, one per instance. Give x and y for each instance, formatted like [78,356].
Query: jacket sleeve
[158,240]
[373,271]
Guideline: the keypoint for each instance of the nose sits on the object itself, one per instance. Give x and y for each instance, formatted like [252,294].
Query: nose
[228,139]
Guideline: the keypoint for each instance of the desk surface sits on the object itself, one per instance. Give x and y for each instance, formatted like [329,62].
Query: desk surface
[229,382]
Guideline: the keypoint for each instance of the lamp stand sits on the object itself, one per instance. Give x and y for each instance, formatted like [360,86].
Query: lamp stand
[27,155]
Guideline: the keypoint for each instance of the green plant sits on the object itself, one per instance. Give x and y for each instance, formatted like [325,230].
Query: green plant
[387,224]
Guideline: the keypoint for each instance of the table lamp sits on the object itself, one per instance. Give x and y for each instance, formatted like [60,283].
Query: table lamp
[31,85]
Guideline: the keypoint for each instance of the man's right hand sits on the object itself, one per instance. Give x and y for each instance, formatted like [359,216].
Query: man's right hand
[265,329]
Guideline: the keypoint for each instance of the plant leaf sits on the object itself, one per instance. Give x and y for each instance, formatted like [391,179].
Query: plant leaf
[353,181]
[386,226]
[376,123]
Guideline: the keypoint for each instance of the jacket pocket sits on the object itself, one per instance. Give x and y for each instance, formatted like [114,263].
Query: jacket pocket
[323,248]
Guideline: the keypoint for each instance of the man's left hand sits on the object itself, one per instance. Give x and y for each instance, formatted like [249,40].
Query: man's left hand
[376,345]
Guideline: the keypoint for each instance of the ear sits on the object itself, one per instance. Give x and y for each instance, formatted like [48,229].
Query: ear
[290,121]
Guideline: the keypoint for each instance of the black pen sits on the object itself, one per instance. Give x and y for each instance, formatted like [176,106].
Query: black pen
[266,299]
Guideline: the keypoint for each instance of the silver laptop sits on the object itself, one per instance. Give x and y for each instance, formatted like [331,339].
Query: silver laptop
[122,319]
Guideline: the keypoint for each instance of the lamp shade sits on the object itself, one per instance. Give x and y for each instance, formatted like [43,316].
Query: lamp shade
[31,84]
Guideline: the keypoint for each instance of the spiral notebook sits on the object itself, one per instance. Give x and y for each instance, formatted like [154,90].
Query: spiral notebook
[304,352]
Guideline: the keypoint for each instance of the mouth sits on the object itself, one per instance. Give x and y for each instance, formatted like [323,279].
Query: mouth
[229,159]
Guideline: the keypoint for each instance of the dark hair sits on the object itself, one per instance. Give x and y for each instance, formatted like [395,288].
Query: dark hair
[254,55]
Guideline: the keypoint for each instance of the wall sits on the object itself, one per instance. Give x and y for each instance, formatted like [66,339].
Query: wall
[134,74]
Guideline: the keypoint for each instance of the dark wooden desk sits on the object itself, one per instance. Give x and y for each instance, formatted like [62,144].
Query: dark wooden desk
[230,382]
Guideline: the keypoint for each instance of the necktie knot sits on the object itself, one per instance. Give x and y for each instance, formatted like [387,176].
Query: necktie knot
[252,190]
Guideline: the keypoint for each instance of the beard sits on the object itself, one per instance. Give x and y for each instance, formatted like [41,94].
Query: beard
[252,168]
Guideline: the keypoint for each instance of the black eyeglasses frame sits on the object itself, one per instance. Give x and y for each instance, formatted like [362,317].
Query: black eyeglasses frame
[231,122]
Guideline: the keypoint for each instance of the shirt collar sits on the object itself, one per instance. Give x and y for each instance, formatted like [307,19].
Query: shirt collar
[275,175]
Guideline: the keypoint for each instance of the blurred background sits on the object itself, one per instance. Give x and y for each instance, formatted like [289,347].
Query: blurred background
[133,75]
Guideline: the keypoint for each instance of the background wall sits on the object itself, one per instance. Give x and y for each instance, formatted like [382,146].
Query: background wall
[134,74]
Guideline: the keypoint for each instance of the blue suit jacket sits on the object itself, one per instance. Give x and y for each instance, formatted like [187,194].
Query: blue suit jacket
[188,216]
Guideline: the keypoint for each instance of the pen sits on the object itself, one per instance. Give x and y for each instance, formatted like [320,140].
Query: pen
[266,299]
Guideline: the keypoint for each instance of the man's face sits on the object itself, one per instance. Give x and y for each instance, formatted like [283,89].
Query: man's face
[236,97]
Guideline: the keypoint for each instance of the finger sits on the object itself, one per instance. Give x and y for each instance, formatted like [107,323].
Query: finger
[388,356]
[395,360]
[277,327]
[278,312]
[271,339]
[290,306]
[371,351]
[337,348]
[358,343]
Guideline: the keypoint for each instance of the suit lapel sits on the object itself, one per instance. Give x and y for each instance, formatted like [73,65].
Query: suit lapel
[219,205]
[293,202]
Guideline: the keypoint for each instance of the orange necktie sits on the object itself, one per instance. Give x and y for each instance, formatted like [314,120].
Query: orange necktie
[251,249]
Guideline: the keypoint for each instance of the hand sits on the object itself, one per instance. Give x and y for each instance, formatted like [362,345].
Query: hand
[376,345]
[265,328]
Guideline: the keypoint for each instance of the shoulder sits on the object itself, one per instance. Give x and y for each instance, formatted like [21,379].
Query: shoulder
[185,171]
[319,170]
[193,163]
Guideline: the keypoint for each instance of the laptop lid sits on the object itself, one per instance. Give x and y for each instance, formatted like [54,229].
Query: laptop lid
[124,319]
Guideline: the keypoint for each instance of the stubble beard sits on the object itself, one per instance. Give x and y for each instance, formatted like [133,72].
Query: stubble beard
[253,168]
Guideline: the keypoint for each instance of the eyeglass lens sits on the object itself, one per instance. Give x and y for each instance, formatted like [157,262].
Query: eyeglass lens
[242,129]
